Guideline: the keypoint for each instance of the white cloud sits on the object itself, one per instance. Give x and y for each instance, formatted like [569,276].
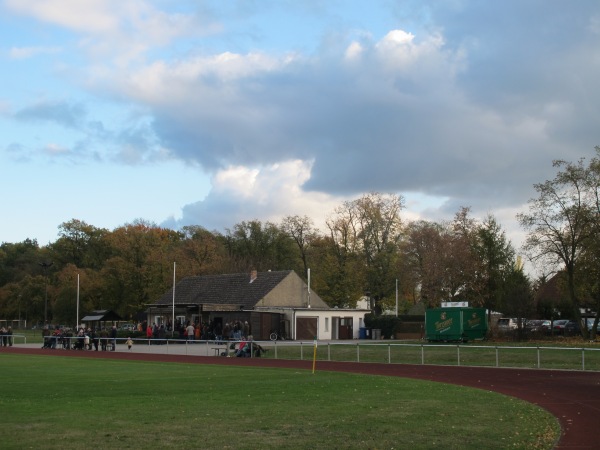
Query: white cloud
[120,30]
[267,193]
[198,78]
[594,25]
[96,16]
[29,52]
[462,110]
[353,51]
[394,120]
[236,181]
[56,149]
[396,38]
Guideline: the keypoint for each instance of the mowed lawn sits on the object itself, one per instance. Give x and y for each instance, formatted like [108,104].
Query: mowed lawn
[56,402]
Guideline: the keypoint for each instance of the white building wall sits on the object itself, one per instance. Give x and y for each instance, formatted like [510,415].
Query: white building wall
[325,319]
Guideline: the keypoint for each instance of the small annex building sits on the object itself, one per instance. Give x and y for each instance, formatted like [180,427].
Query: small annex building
[269,301]
[98,319]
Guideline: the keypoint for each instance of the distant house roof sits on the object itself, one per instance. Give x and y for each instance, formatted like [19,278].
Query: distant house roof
[241,289]
[101,315]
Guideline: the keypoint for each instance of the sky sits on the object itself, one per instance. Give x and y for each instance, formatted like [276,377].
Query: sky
[215,112]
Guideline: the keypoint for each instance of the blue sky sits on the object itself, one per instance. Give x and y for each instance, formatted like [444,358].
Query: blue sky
[214,112]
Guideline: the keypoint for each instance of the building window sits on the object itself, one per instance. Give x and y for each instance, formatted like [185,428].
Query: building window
[327,324]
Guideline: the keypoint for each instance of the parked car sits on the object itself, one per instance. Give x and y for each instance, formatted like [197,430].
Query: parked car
[127,327]
[506,324]
[534,325]
[572,327]
[559,326]
[590,324]
[546,326]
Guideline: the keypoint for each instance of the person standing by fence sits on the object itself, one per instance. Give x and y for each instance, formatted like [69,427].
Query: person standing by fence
[103,338]
[113,337]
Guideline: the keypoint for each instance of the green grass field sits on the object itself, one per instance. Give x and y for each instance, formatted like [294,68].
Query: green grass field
[57,402]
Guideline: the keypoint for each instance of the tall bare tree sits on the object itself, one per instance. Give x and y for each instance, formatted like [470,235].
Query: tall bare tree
[562,223]
[303,232]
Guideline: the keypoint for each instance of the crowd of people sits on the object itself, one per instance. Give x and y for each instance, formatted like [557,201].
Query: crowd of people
[236,331]
[82,339]
[200,331]
[236,334]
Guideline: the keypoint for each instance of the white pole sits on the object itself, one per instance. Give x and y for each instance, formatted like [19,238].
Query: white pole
[396,297]
[309,287]
[77,318]
[173,320]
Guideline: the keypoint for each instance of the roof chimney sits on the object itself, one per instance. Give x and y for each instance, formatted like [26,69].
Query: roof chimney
[253,275]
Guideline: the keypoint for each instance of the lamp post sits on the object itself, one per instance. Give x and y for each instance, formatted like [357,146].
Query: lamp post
[45,266]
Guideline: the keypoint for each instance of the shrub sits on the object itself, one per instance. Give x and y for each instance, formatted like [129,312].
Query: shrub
[388,325]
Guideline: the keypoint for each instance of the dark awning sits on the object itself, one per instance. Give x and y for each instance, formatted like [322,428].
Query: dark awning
[91,318]
[103,315]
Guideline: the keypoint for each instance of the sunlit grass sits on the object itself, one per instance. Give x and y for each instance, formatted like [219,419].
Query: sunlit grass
[53,402]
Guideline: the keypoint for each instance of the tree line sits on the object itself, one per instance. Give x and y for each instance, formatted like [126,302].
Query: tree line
[366,249]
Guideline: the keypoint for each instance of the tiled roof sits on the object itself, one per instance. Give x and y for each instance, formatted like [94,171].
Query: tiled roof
[230,289]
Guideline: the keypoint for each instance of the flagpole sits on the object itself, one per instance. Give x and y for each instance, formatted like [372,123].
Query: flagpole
[396,297]
[173,320]
[77,318]
[314,355]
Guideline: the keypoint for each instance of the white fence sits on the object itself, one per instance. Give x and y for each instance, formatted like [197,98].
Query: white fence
[385,352]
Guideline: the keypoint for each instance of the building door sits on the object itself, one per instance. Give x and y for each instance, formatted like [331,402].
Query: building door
[345,329]
[306,328]
[335,328]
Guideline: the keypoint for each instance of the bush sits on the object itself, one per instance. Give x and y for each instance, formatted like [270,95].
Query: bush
[122,334]
[388,325]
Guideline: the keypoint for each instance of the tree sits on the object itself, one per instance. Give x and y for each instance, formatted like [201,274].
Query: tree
[302,231]
[464,274]
[562,222]
[200,252]
[591,266]
[141,267]
[80,244]
[370,227]
[92,292]
[254,245]
[424,249]
[338,275]
[444,261]
[18,260]
[518,298]
[24,299]
[497,259]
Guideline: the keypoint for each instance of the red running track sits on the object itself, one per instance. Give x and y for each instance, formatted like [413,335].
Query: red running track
[573,397]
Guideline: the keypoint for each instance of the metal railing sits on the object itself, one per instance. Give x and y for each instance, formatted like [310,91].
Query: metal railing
[535,357]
